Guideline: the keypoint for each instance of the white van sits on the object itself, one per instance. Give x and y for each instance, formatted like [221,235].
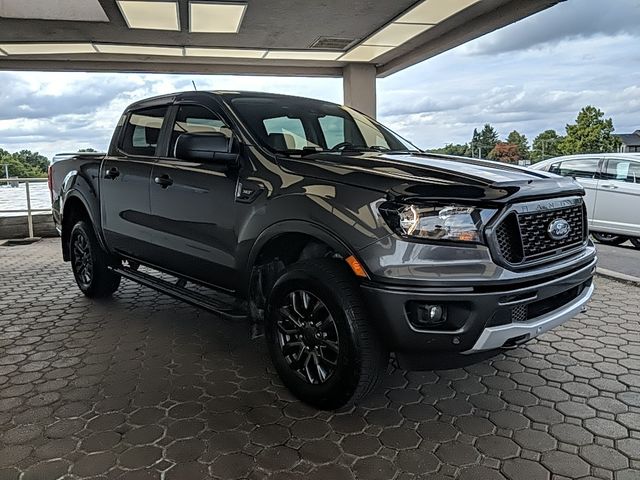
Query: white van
[612,183]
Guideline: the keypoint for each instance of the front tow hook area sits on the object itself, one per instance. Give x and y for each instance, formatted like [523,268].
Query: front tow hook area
[516,341]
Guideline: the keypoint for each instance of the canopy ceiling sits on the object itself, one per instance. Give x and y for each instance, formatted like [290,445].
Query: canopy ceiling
[272,37]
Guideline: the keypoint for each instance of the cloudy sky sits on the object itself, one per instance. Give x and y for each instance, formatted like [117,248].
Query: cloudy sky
[530,76]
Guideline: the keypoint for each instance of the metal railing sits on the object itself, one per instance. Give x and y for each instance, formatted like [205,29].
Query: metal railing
[28,210]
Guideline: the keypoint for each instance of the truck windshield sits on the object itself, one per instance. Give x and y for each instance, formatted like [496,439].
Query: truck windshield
[298,126]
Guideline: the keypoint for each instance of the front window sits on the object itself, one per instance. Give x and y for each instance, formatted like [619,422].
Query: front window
[577,168]
[299,126]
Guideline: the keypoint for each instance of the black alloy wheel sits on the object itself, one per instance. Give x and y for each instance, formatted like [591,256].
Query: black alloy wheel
[321,339]
[82,259]
[308,337]
[90,263]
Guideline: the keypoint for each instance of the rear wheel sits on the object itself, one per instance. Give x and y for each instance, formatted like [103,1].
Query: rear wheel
[636,242]
[90,263]
[609,238]
[320,340]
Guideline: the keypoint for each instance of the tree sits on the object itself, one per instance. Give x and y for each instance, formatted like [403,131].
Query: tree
[590,134]
[546,145]
[484,141]
[505,152]
[517,138]
[452,149]
[33,159]
[87,150]
[24,164]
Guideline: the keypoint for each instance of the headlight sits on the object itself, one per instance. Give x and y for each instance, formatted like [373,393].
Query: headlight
[456,223]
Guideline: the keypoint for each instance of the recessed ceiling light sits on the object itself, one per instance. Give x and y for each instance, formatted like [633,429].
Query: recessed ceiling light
[396,34]
[435,11]
[364,53]
[302,55]
[46,48]
[150,15]
[223,52]
[215,17]
[67,10]
[139,50]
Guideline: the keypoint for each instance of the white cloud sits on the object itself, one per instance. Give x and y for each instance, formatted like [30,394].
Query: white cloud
[531,76]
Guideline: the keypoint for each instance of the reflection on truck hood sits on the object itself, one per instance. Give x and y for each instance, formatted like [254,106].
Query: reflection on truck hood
[433,176]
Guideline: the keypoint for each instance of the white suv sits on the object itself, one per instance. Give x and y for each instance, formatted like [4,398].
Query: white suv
[612,183]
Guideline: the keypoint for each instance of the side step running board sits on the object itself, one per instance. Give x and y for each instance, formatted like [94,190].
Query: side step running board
[178,290]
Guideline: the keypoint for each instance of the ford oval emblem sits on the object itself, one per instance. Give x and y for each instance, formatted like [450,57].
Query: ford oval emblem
[559,229]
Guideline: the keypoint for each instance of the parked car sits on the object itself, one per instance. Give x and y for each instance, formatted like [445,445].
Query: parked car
[336,237]
[612,185]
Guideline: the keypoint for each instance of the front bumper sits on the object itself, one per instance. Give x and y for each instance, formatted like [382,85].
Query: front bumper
[480,318]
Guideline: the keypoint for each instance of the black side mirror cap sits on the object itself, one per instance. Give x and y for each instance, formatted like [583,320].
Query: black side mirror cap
[205,147]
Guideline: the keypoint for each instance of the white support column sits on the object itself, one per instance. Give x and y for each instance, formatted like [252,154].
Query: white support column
[359,84]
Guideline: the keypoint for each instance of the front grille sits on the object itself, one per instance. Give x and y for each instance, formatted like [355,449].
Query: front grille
[522,236]
[533,229]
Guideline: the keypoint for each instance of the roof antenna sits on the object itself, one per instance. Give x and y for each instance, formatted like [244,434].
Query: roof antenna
[194,85]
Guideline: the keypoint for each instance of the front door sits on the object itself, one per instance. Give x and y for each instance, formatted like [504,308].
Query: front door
[618,205]
[193,206]
[124,184]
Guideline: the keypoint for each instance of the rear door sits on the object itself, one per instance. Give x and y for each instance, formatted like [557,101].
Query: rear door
[124,183]
[193,204]
[585,171]
[617,209]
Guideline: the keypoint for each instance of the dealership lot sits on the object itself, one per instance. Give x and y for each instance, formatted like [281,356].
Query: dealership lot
[146,387]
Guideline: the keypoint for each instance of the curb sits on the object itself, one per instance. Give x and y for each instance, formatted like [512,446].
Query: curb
[620,277]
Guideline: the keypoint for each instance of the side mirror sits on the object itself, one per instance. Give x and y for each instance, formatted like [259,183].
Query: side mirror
[205,147]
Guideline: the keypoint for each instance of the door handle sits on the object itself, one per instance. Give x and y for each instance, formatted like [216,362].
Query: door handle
[609,186]
[112,173]
[164,181]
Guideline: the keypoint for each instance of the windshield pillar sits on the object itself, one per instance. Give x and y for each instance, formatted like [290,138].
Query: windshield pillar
[359,85]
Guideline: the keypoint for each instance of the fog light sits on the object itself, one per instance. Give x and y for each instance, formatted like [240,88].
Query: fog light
[432,314]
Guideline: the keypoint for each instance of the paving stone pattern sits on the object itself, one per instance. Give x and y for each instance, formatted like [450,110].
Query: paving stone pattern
[144,387]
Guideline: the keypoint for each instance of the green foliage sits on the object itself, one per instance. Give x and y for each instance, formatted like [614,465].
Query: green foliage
[591,133]
[517,138]
[23,164]
[483,141]
[452,149]
[506,152]
[546,145]
[87,150]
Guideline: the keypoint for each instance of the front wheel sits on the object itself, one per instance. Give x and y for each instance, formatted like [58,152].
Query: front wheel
[609,238]
[90,263]
[320,339]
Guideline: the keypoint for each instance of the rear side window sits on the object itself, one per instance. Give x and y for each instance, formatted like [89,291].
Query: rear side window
[578,168]
[623,170]
[142,131]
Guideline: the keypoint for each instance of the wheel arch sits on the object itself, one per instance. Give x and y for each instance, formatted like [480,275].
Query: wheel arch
[76,208]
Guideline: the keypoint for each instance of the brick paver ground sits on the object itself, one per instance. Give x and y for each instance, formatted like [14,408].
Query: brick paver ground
[144,387]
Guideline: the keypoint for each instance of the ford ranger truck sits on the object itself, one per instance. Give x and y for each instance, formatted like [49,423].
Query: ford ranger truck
[339,241]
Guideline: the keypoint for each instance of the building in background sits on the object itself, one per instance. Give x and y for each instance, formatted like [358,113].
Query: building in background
[630,142]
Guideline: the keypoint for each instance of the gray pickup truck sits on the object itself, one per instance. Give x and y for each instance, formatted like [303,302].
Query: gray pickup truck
[337,238]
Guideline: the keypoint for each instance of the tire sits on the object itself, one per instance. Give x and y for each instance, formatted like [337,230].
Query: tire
[90,263]
[636,242]
[609,238]
[345,356]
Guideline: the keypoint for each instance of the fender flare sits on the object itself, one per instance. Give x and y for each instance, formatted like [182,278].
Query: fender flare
[77,194]
[292,226]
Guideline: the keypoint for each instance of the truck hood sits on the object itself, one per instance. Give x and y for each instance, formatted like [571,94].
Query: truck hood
[433,177]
